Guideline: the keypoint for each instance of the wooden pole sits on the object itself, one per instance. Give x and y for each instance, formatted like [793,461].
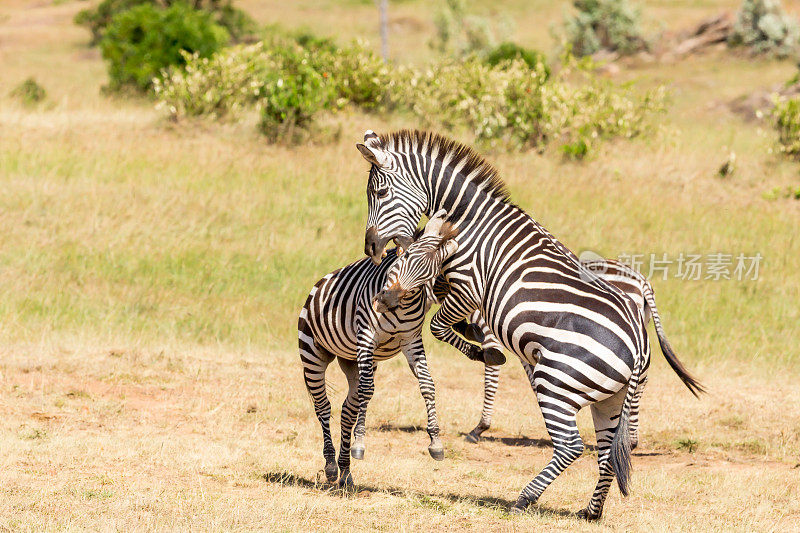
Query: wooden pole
[383,7]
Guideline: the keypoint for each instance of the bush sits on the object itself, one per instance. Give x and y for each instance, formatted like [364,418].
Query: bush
[508,51]
[787,122]
[238,23]
[604,25]
[459,33]
[520,107]
[29,91]
[99,18]
[510,103]
[292,94]
[140,42]
[764,27]
[243,76]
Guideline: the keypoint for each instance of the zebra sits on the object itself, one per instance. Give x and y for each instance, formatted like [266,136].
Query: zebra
[633,283]
[586,340]
[338,322]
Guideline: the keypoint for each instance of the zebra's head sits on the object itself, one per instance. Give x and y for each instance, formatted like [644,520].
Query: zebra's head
[420,264]
[395,206]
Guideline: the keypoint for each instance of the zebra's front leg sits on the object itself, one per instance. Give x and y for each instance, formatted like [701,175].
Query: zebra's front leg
[415,354]
[366,387]
[477,330]
[442,328]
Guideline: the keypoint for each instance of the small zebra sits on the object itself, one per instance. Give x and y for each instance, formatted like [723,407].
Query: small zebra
[338,322]
[585,338]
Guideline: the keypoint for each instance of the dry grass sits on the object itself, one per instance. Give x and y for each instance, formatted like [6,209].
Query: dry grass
[150,276]
[179,437]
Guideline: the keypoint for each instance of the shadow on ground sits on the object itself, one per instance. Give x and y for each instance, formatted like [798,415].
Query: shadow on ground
[289,479]
[404,429]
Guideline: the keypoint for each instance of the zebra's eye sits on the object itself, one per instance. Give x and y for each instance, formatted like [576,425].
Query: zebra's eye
[382,193]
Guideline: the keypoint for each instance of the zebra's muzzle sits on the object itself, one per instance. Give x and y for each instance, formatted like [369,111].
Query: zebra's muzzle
[374,245]
[386,301]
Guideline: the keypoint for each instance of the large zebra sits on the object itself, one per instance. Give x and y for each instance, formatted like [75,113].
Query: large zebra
[628,280]
[417,264]
[585,339]
[338,322]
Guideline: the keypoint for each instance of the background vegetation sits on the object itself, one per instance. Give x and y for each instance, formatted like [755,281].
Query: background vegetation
[151,274]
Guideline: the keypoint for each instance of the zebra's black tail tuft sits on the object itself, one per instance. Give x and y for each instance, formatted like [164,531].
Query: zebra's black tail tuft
[621,450]
[694,386]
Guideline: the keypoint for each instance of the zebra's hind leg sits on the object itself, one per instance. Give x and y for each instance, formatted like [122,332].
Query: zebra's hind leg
[605,415]
[349,414]
[559,418]
[415,354]
[491,376]
[315,361]
[635,413]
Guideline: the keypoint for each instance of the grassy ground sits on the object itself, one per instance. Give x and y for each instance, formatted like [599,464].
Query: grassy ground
[151,274]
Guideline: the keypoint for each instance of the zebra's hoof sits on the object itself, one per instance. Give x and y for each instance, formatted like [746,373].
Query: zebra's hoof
[331,472]
[493,357]
[472,437]
[357,451]
[437,452]
[520,506]
[346,481]
[585,514]
[473,333]
[476,354]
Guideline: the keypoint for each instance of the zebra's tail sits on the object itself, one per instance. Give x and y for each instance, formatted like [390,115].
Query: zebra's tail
[620,453]
[694,386]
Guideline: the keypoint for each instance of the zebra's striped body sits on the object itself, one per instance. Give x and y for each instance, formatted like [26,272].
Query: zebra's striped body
[339,322]
[586,340]
[631,282]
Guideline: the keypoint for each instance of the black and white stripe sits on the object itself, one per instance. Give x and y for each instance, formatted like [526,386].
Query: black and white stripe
[631,282]
[585,339]
[339,322]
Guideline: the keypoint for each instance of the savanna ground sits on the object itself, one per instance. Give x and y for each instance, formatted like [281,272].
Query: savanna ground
[152,272]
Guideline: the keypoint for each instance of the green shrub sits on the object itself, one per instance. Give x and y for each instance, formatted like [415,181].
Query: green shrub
[524,108]
[29,92]
[460,33]
[241,76]
[141,41]
[764,27]
[508,51]
[604,25]
[358,77]
[292,95]
[787,122]
[238,23]
[224,84]
[510,103]
[98,18]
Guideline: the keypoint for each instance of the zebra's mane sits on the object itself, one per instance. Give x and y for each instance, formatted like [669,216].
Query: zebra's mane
[481,172]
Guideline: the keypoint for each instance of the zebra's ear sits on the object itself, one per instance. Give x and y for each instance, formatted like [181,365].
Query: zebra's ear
[376,156]
[372,140]
[435,223]
[450,247]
